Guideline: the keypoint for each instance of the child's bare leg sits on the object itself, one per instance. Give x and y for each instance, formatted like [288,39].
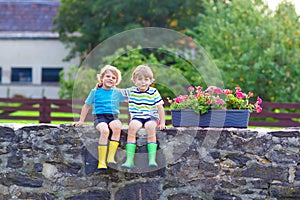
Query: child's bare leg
[102,146]
[133,127]
[150,127]
[115,126]
[104,133]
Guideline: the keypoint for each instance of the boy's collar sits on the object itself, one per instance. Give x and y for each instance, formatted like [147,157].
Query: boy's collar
[142,91]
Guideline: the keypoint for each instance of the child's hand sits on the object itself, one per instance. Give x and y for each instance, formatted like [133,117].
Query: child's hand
[98,85]
[79,123]
[162,126]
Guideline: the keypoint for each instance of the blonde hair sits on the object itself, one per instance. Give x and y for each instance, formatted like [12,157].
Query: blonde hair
[113,70]
[142,70]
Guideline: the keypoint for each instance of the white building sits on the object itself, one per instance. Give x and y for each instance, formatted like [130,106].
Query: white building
[31,56]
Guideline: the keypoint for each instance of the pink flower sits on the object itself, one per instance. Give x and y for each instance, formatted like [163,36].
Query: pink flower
[214,90]
[211,88]
[258,108]
[240,95]
[259,100]
[178,99]
[199,94]
[185,97]
[192,44]
[218,91]
[214,97]
[191,89]
[220,101]
[227,91]
[199,88]
[238,89]
[181,98]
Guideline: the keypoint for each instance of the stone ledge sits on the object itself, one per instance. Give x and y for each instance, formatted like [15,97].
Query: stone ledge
[58,161]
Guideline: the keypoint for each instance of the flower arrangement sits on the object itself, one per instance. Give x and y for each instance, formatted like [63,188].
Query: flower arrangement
[215,98]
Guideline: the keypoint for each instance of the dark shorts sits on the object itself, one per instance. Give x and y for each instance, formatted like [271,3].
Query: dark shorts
[144,121]
[107,118]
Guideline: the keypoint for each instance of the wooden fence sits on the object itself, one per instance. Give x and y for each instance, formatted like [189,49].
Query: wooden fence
[277,114]
[46,111]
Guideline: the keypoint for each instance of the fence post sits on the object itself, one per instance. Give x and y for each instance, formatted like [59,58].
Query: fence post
[45,112]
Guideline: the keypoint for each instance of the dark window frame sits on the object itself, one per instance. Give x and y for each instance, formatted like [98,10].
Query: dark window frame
[50,75]
[21,75]
[0,75]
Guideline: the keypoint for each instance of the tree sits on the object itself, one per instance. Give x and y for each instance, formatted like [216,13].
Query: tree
[254,47]
[83,24]
[83,79]
[78,82]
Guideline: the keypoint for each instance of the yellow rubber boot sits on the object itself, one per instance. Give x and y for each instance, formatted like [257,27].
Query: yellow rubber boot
[102,150]
[112,149]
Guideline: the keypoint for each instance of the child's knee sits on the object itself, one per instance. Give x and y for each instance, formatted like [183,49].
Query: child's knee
[102,127]
[150,126]
[115,125]
[104,133]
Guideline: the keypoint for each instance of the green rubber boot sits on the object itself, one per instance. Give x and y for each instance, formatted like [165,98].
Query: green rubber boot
[152,147]
[130,151]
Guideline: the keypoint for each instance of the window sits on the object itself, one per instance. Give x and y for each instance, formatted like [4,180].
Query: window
[0,75]
[21,75]
[50,75]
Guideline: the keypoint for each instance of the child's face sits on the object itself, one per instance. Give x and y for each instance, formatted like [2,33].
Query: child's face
[142,83]
[109,80]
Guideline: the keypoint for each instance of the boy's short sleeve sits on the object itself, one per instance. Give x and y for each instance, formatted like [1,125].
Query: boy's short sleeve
[157,98]
[90,99]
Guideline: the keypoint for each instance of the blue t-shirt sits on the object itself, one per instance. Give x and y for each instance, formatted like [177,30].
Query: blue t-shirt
[105,101]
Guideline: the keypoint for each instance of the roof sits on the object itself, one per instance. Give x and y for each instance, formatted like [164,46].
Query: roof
[21,18]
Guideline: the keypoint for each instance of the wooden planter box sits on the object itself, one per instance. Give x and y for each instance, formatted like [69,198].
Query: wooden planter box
[214,118]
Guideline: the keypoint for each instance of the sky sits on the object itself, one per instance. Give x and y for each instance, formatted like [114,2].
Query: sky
[273,4]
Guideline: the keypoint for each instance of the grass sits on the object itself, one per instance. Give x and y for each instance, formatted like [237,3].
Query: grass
[25,113]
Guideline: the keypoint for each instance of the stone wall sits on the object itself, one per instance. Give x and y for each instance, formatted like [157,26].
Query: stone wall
[59,162]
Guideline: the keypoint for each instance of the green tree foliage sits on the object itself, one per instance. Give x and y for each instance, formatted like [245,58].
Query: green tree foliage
[66,83]
[77,83]
[83,24]
[254,47]
[166,68]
